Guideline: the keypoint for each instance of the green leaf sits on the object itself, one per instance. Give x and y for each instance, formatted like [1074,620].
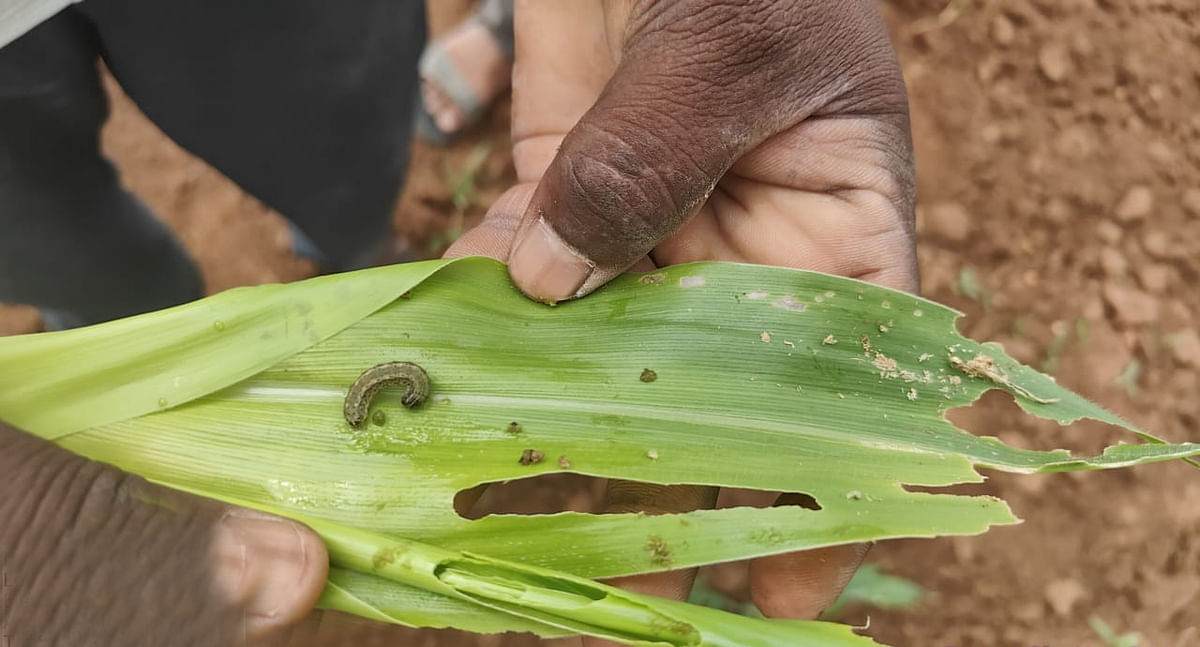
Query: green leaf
[767,378]
[1111,637]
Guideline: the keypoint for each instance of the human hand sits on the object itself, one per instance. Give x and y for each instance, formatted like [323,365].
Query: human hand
[94,556]
[653,133]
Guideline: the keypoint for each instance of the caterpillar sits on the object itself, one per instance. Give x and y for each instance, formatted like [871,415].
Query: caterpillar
[358,398]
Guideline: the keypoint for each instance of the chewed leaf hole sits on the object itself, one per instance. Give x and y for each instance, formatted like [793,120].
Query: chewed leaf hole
[566,492]
[996,413]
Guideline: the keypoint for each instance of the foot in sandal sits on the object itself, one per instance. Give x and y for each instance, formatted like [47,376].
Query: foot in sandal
[464,71]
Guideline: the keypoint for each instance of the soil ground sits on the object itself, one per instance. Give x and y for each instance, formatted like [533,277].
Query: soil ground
[1058,149]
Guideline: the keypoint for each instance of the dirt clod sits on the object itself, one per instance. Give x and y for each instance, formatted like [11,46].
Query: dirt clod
[1113,262]
[1132,306]
[1157,243]
[1003,31]
[1109,231]
[1062,595]
[1137,203]
[1154,277]
[1185,347]
[1191,201]
[1054,62]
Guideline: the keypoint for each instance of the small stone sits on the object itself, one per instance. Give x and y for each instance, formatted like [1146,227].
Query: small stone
[1062,595]
[1132,306]
[949,220]
[1054,61]
[1154,277]
[1003,30]
[1185,347]
[1157,243]
[1109,231]
[1113,262]
[1137,204]
[1191,201]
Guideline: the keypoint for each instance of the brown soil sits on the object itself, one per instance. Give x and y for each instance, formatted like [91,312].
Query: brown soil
[1058,151]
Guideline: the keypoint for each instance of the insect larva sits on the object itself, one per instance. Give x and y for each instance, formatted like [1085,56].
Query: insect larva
[358,399]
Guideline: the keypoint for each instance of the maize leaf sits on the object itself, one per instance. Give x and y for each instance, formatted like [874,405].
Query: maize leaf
[709,373]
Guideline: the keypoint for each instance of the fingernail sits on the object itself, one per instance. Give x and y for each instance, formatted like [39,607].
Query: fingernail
[544,267]
[273,568]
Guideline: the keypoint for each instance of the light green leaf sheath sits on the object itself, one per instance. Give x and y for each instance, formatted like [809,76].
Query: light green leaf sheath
[763,377]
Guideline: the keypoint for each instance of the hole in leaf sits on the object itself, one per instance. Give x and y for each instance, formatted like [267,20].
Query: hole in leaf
[996,413]
[568,492]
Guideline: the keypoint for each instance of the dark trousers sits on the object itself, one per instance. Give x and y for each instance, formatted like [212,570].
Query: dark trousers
[307,104]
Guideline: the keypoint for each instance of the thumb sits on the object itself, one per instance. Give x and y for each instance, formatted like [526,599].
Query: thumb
[632,171]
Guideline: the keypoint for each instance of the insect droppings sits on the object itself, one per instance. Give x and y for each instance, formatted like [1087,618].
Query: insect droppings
[563,463]
[358,398]
[530,457]
[379,418]
[648,375]
[514,427]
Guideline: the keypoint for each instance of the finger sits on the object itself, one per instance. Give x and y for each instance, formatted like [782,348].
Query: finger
[689,96]
[803,584]
[631,496]
[493,237]
[102,557]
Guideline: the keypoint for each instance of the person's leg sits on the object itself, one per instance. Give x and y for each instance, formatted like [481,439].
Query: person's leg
[72,242]
[307,104]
